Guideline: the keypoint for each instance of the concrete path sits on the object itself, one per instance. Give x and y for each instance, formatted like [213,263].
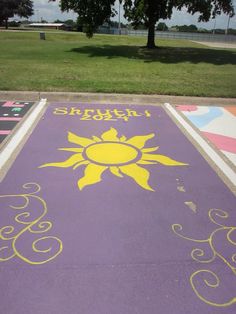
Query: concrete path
[217,44]
[102,98]
[115,208]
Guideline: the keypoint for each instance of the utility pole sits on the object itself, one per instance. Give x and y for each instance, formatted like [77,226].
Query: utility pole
[214,29]
[37,15]
[119,18]
[227,29]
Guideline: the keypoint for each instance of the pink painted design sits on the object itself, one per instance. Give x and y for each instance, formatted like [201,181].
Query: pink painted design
[222,142]
[5,132]
[8,104]
[186,108]
[9,119]
[12,104]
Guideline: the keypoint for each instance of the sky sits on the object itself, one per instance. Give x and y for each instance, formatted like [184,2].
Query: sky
[50,11]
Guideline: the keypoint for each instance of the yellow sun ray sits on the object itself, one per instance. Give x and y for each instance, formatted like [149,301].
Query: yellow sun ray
[72,149]
[92,175]
[81,163]
[145,162]
[164,160]
[123,138]
[82,141]
[74,159]
[118,155]
[149,150]
[140,175]
[140,141]
[116,172]
[96,139]
[110,135]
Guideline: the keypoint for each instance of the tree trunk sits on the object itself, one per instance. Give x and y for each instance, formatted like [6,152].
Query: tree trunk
[151,36]
[151,24]
[6,23]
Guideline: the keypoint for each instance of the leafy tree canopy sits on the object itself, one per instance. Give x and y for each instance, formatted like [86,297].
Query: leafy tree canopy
[94,13]
[187,28]
[9,8]
[162,27]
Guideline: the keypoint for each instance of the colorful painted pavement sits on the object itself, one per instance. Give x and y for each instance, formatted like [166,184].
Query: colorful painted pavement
[111,209]
[217,124]
[11,112]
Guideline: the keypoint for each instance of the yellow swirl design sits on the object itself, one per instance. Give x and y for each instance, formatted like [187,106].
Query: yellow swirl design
[212,282]
[29,222]
[200,255]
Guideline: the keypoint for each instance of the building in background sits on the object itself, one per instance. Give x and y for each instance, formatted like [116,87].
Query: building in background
[60,26]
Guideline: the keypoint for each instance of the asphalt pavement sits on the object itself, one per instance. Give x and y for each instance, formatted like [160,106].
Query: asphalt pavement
[118,204]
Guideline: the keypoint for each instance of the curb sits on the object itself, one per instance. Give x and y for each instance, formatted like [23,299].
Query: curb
[114,98]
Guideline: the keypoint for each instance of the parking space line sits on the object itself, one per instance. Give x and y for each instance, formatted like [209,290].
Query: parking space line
[20,134]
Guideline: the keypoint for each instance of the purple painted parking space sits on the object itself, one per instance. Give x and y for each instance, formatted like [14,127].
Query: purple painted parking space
[110,209]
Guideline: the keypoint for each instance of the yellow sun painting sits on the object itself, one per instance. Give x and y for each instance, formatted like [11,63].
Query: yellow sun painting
[119,155]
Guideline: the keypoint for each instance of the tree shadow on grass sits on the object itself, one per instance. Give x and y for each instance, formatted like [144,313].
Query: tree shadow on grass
[162,54]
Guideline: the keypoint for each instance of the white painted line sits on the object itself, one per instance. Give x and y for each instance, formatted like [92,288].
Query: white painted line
[216,159]
[20,134]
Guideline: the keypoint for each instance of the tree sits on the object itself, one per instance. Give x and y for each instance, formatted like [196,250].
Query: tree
[92,13]
[162,27]
[58,21]
[187,28]
[116,24]
[143,12]
[149,12]
[9,8]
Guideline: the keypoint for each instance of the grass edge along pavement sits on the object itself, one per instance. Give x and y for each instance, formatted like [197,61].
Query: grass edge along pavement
[114,64]
[114,98]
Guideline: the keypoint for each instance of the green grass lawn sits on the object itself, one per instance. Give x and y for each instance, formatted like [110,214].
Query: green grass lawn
[114,64]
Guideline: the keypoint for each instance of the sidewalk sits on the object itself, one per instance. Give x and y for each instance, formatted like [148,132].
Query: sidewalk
[114,98]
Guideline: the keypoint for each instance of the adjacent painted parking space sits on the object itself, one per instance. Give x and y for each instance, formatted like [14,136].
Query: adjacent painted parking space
[11,112]
[217,124]
[225,168]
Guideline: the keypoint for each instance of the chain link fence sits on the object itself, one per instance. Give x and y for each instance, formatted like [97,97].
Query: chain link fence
[190,36]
